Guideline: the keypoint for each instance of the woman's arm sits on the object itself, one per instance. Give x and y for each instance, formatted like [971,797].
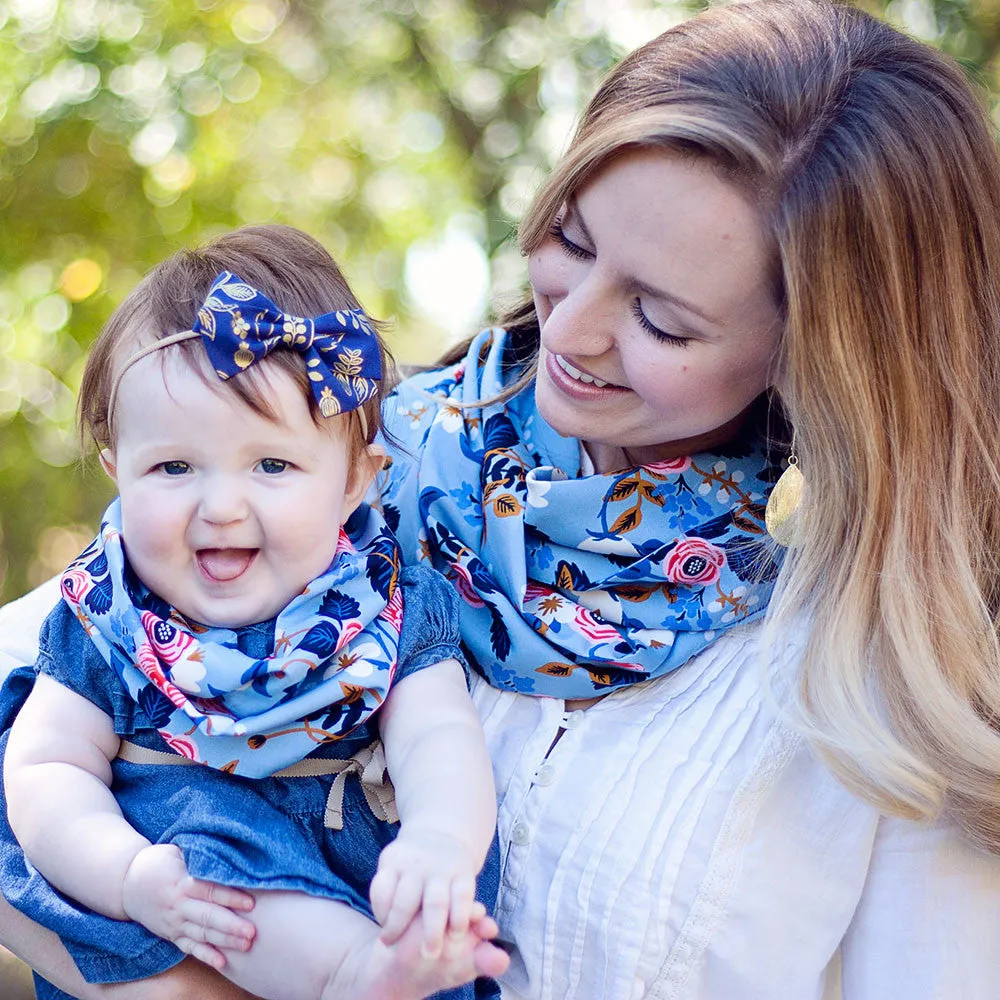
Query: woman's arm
[44,952]
[928,924]
[437,758]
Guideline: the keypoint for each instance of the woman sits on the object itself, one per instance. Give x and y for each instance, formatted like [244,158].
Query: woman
[774,200]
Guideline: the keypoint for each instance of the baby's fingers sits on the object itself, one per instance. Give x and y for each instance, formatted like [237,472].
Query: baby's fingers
[463,896]
[201,921]
[221,895]
[381,892]
[434,916]
[202,951]
[405,903]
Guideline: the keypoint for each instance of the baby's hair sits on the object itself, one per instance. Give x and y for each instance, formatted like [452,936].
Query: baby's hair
[288,266]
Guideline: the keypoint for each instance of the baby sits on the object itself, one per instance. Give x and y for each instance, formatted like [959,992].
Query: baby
[243,611]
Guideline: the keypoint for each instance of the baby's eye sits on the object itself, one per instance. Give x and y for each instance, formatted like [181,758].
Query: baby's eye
[272,466]
[175,468]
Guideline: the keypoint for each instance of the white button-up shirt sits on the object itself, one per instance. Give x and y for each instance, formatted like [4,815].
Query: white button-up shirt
[679,840]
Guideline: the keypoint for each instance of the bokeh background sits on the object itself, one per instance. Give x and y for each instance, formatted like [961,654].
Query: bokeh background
[407,135]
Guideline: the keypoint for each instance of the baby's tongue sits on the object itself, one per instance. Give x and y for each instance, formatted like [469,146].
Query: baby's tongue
[225,564]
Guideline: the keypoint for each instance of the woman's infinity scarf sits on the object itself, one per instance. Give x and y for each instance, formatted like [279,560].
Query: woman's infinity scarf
[572,586]
[335,653]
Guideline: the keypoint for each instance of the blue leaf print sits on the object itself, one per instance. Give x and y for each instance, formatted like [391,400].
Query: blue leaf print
[381,566]
[481,578]
[391,515]
[339,606]
[321,639]
[714,528]
[99,567]
[499,636]
[427,497]
[156,705]
[257,675]
[498,432]
[751,561]
[99,598]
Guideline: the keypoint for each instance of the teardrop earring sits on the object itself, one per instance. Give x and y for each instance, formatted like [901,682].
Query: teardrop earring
[785,501]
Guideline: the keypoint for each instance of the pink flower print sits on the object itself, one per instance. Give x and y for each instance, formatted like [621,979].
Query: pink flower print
[149,664]
[668,465]
[351,629]
[534,590]
[344,544]
[597,631]
[694,561]
[392,613]
[74,584]
[461,579]
[169,642]
[180,745]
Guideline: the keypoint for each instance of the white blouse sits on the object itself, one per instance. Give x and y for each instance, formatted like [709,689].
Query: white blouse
[679,841]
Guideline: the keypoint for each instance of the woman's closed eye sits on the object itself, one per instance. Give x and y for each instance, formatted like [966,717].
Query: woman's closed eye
[273,466]
[568,247]
[655,331]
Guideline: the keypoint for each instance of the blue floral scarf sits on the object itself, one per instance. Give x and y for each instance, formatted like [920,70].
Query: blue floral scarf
[335,653]
[573,586]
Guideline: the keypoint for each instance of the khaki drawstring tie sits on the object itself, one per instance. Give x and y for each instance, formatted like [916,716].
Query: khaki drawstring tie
[368,764]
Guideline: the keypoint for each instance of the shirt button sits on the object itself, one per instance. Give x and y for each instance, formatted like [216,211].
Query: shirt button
[545,775]
[520,834]
[574,719]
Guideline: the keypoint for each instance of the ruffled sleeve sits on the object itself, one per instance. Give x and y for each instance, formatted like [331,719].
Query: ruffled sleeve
[68,656]
[430,622]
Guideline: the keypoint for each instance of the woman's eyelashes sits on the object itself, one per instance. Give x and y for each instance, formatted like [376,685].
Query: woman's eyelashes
[655,331]
[568,247]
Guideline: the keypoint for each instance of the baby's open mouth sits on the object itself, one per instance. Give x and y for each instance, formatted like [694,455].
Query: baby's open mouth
[223,565]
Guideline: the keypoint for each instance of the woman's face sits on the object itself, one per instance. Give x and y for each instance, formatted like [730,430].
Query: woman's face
[658,318]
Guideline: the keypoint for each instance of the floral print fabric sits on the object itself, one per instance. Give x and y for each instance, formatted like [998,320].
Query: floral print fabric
[239,325]
[570,585]
[335,653]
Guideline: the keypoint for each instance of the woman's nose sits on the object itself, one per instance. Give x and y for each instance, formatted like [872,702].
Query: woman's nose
[581,320]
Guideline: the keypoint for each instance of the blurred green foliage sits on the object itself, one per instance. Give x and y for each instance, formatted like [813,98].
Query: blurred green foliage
[406,135]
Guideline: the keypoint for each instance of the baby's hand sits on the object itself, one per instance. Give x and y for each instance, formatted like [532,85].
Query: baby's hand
[197,916]
[430,872]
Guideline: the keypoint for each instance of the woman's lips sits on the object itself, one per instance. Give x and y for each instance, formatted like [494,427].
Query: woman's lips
[578,388]
[224,565]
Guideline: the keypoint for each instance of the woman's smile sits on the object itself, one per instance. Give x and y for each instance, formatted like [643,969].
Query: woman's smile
[577,382]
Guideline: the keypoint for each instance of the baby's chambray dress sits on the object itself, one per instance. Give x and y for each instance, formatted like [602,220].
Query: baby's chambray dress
[254,833]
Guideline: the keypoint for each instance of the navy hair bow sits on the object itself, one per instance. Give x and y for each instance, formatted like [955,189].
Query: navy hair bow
[240,325]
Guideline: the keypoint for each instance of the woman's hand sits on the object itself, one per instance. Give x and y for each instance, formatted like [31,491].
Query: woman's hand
[430,873]
[198,917]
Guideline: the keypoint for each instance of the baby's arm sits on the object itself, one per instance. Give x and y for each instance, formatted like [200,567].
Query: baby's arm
[57,777]
[437,758]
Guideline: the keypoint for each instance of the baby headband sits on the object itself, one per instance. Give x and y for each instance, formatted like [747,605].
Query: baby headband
[239,326]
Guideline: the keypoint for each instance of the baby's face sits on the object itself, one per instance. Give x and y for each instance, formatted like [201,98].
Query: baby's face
[226,514]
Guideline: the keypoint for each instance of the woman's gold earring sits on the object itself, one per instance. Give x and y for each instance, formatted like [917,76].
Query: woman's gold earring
[784,502]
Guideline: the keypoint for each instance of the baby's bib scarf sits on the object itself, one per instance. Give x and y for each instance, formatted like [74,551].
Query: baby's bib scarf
[335,653]
[573,586]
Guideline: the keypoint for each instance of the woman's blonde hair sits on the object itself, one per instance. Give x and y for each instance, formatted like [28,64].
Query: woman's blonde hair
[877,179]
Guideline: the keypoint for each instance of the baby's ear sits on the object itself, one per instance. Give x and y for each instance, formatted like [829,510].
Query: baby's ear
[364,469]
[107,457]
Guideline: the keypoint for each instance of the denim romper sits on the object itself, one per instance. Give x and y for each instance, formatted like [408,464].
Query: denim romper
[246,832]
